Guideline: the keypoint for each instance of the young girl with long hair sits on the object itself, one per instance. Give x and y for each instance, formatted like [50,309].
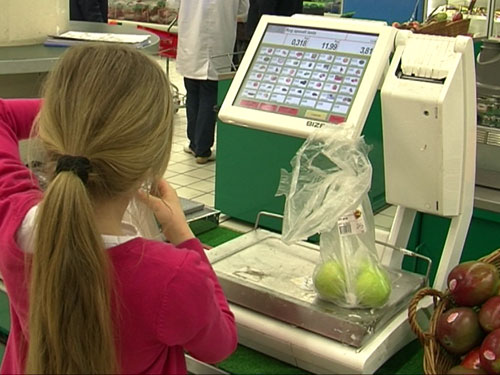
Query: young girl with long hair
[87,294]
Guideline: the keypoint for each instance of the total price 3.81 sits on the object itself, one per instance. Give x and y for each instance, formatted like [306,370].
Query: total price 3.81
[366,50]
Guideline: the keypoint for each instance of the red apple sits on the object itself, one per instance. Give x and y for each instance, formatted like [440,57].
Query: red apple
[471,359]
[471,283]
[489,315]
[458,330]
[490,352]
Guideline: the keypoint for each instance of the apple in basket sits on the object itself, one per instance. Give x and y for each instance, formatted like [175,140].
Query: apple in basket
[472,359]
[457,16]
[489,314]
[458,330]
[471,283]
[490,352]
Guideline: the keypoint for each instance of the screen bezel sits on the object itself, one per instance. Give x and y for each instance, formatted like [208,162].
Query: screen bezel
[298,126]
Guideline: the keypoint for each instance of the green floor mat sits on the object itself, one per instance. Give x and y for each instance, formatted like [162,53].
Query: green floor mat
[250,362]
[4,317]
[218,236]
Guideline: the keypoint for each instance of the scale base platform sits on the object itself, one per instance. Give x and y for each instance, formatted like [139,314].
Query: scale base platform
[260,272]
[268,284]
[318,354]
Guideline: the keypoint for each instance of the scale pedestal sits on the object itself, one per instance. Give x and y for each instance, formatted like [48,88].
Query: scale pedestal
[318,354]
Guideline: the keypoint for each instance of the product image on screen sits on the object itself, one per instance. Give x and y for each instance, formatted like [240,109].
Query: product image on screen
[306,72]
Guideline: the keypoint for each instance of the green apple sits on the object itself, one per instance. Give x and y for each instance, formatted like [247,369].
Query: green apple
[329,280]
[372,286]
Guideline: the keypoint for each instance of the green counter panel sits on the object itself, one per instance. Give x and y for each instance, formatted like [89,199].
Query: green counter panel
[249,163]
[429,234]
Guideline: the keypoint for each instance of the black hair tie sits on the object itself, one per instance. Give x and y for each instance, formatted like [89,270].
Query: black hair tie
[79,165]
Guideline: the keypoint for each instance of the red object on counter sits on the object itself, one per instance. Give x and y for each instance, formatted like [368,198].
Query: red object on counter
[168,41]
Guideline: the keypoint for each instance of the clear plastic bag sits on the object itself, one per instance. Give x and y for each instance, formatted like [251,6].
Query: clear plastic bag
[327,193]
[330,173]
[143,220]
[349,273]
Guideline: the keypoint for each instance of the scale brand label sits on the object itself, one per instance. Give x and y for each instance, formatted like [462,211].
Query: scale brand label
[315,124]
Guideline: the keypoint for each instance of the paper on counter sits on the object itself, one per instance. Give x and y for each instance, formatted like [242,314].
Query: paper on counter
[103,37]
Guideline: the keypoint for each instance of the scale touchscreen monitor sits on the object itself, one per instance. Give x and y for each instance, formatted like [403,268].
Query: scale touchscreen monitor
[305,72]
[299,74]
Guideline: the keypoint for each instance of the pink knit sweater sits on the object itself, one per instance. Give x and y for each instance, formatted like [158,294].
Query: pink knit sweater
[170,299]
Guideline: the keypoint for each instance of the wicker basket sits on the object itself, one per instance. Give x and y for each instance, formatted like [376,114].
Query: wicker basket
[446,28]
[436,359]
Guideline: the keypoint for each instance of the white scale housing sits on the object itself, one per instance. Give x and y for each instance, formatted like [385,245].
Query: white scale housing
[429,135]
[429,143]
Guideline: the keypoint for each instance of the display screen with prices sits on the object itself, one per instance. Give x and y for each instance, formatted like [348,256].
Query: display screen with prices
[306,72]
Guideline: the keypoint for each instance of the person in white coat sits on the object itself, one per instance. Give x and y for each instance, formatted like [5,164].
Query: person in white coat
[206,28]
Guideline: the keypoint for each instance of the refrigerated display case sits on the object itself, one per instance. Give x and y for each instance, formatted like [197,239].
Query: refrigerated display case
[488,106]
[322,6]
[384,10]
[149,11]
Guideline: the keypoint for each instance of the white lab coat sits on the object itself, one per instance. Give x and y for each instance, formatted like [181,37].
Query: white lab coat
[207,28]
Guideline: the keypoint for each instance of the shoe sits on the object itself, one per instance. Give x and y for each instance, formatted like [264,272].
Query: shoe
[188,150]
[205,159]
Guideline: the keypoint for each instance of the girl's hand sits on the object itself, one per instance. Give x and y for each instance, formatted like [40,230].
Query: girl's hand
[165,204]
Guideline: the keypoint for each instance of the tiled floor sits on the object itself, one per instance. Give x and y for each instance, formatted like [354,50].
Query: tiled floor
[197,182]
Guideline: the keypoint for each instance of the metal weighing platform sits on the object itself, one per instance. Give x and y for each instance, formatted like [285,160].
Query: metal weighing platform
[260,272]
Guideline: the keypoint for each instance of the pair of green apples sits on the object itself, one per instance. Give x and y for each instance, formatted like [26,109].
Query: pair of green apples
[371,283]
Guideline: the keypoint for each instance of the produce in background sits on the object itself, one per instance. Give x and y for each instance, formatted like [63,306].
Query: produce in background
[313,7]
[417,26]
[150,11]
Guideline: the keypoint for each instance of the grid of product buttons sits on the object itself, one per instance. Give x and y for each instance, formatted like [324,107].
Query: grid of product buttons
[286,80]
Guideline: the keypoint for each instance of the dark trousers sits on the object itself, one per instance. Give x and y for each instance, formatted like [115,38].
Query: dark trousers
[88,10]
[201,98]
[273,7]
